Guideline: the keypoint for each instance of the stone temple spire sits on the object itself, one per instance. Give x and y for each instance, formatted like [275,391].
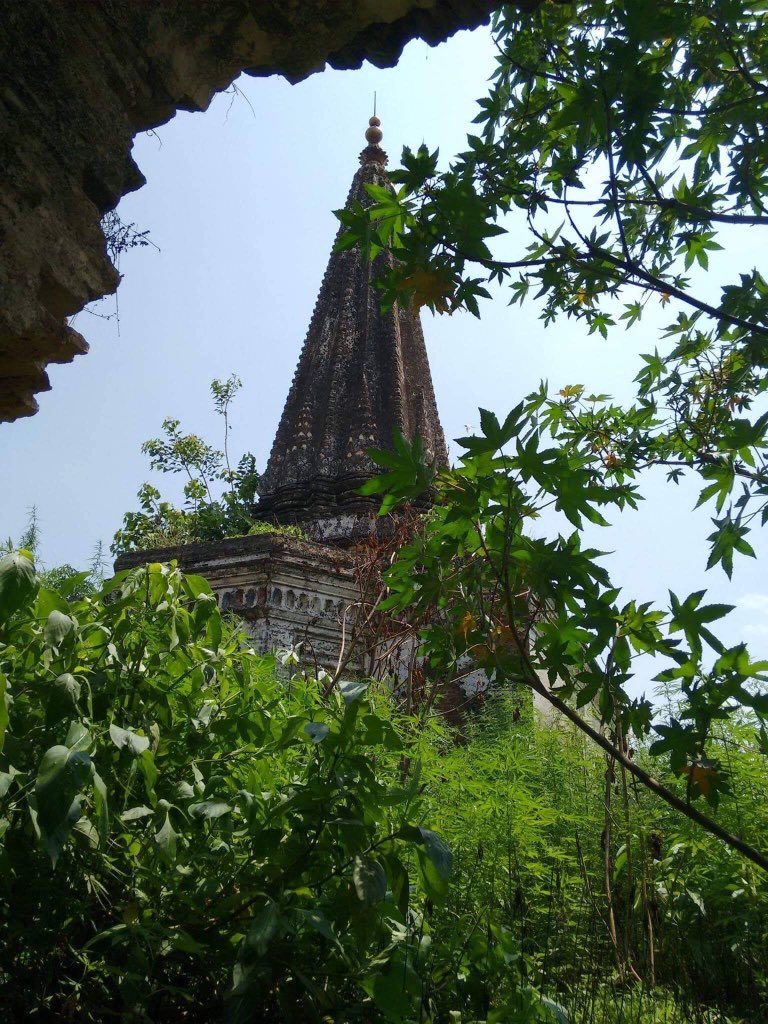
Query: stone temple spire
[362,374]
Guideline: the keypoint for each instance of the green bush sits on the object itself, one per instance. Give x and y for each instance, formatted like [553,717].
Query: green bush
[218,499]
[182,836]
[522,806]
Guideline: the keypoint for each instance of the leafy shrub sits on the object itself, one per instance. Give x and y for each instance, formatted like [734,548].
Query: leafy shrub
[183,837]
[181,834]
[218,498]
[68,580]
[523,808]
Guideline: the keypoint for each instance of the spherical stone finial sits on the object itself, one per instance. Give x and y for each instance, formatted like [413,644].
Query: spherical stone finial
[374,134]
[373,153]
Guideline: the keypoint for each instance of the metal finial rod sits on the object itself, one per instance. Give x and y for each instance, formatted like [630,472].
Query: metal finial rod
[374,103]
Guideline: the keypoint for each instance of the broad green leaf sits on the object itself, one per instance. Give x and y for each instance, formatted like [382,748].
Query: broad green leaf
[126,739]
[184,943]
[62,774]
[209,809]
[434,857]
[18,582]
[370,879]
[166,837]
[380,731]
[101,804]
[57,627]
[78,737]
[317,731]
[68,687]
[438,851]
[63,699]
[48,601]
[135,813]
[351,689]
[6,780]
[557,1011]
[69,586]
[146,763]
[395,988]
[197,585]
[263,928]
[319,923]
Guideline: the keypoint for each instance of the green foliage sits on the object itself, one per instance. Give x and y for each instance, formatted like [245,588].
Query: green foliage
[262,529]
[206,515]
[408,475]
[65,578]
[523,808]
[184,836]
[628,137]
[30,537]
[530,608]
[17,581]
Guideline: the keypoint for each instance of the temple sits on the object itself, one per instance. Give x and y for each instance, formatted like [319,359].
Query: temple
[362,375]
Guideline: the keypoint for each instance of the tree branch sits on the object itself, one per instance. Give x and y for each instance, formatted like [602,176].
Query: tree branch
[648,780]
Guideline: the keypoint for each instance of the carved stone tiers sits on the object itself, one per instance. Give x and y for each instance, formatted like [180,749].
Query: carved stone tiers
[362,375]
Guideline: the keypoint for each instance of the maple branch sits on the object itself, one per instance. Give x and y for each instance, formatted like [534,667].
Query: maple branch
[533,681]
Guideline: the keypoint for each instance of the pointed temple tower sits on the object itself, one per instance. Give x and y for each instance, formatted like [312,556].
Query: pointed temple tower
[362,375]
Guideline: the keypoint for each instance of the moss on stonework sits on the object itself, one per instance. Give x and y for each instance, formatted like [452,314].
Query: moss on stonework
[285,531]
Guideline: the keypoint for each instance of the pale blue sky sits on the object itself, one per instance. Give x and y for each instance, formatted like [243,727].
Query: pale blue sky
[239,201]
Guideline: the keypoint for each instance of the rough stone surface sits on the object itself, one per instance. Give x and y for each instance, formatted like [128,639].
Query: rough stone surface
[362,375]
[80,79]
[287,591]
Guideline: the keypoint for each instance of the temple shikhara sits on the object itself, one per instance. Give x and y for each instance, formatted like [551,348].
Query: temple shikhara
[362,375]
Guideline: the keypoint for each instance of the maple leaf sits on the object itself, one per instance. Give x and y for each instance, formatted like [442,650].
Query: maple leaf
[467,623]
[504,636]
[703,776]
[430,288]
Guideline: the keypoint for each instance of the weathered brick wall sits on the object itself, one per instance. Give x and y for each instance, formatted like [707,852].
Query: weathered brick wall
[81,77]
